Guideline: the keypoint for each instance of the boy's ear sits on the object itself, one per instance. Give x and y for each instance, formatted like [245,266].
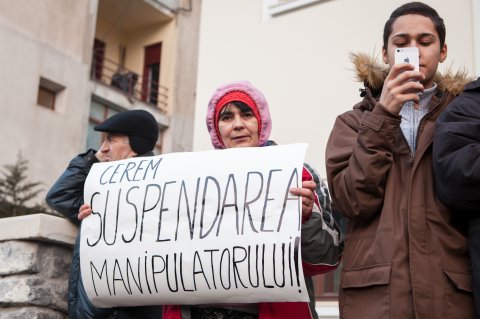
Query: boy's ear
[384,55]
[443,53]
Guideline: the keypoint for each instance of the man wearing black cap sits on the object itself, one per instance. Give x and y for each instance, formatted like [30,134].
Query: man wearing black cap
[129,134]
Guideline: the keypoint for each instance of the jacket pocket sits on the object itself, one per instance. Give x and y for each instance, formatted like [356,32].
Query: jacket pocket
[458,295]
[365,286]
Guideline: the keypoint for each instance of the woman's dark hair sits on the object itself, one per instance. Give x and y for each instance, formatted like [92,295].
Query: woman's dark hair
[244,108]
[419,8]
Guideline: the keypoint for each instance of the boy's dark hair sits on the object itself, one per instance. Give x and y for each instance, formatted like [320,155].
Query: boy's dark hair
[419,8]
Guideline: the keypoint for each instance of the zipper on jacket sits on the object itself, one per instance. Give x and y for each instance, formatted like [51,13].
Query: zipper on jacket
[421,125]
[411,162]
[411,159]
[411,156]
[427,116]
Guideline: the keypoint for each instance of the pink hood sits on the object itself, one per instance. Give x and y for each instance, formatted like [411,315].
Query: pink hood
[257,97]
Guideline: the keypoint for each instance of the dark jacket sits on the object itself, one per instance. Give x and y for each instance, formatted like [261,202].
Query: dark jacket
[456,154]
[66,197]
[404,257]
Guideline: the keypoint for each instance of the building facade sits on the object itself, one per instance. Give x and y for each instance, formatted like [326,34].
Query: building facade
[69,65]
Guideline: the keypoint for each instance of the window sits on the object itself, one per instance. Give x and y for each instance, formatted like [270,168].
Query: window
[151,73]
[47,93]
[97,60]
[46,98]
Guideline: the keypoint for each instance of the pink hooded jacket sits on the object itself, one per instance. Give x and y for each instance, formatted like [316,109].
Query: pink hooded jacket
[322,244]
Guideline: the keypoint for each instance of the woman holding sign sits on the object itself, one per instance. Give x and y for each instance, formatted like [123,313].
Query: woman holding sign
[238,116]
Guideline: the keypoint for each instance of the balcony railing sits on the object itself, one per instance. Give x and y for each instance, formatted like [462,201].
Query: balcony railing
[130,83]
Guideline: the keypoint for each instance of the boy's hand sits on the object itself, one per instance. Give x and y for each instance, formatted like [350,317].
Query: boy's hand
[401,85]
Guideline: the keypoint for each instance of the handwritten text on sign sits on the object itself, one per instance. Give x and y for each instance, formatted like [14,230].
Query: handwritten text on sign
[193,228]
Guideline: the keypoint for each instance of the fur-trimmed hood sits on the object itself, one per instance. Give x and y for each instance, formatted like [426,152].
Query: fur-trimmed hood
[372,73]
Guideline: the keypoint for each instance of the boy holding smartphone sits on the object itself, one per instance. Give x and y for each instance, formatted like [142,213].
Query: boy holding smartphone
[405,256]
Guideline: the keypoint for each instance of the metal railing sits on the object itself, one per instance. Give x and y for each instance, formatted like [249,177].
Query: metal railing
[128,82]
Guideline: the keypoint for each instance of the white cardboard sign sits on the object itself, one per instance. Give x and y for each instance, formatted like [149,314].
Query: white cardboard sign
[207,227]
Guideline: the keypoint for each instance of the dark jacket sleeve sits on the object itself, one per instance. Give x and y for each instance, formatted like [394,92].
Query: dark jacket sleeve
[66,195]
[456,152]
[358,158]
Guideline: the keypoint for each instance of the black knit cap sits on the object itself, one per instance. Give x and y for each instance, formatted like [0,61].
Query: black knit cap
[140,126]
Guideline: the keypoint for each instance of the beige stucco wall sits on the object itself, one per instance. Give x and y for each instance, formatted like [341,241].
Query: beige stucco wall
[63,25]
[52,39]
[113,39]
[137,41]
[300,60]
[179,138]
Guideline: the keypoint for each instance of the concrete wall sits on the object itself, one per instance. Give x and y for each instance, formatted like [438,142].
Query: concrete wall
[51,39]
[300,59]
[35,254]
[183,91]
[113,38]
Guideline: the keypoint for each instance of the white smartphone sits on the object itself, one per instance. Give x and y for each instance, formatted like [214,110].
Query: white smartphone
[408,55]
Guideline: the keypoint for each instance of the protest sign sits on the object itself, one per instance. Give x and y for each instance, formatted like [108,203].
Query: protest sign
[195,228]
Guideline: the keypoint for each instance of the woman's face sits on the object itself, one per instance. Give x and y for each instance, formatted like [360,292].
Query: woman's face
[237,128]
